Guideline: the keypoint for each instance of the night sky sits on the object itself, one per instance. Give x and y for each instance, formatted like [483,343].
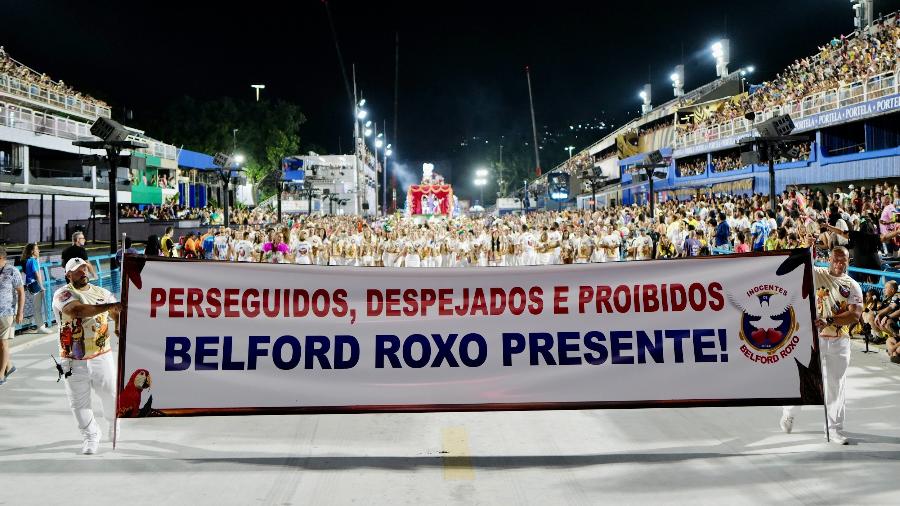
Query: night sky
[461,63]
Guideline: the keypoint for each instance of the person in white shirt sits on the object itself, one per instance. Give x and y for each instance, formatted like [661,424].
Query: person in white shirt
[613,241]
[643,246]
[413,259]
[222,245]
[528,244]
[302,249]
[243,249]
[84,312]
[598,245]
[555,239]
[513,248]
[839,303]
[483,243]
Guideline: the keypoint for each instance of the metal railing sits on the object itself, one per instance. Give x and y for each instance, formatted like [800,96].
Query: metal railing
[23,118]
[873,87]
[37,92]
[54,278]
[859,270]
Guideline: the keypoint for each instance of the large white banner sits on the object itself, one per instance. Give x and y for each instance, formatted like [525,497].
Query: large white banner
[218,337]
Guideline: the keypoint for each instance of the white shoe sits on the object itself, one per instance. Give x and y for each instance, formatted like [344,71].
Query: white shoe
[838,437]
[787,424]
[90,446]
[45,329]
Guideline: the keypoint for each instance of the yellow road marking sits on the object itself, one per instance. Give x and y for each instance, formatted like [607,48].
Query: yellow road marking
[457,461]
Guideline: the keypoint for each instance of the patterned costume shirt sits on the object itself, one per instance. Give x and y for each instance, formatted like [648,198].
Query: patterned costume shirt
[82,338]
[834,295]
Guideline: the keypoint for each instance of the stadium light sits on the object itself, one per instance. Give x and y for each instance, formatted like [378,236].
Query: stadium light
[379,143]
[258,87]
[362,103]
[721,52]
[750,69]
[388,151]
[677,78]
[569,149]
[362,114]
[481,173]
[367,132]
[368,124]
[645,95]
[238,159]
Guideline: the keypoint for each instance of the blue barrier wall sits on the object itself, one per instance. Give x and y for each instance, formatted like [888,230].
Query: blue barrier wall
[54,278]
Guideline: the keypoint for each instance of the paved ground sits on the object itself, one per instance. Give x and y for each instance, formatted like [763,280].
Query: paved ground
[697,456]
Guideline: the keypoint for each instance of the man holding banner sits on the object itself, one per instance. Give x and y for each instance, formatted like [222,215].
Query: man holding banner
[83,311]
[838,307]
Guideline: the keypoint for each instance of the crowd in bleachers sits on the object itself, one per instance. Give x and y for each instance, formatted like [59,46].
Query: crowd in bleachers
[691,168]
[843,60]
[25,74]
[726,163]
[209,215]
[161,180]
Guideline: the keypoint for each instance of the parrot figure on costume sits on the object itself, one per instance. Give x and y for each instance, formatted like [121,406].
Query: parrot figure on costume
[130,398]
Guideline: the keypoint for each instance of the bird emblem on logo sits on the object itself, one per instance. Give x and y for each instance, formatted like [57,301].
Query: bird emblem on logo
[768,316]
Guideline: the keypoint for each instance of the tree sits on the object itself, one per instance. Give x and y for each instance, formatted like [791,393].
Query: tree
[268,131]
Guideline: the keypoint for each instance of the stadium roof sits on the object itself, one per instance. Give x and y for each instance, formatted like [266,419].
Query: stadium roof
[194,160]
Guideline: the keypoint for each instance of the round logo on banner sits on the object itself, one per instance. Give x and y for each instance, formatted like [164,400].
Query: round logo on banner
[768,322]
[765,338]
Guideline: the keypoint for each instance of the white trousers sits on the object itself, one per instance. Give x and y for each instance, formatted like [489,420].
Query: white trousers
[97,374]
[836,353]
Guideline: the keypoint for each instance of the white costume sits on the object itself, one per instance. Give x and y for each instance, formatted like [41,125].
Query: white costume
[243,251]
[836,349]
[302,251]
[84,348]
[529,254]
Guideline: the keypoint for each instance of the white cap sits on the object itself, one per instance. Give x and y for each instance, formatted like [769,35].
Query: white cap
[851,187]
[74,263]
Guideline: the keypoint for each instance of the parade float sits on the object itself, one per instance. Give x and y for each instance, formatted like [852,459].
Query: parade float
[432,197]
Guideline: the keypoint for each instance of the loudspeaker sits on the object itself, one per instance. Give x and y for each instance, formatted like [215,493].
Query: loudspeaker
[221,160]
[655,157]
[365,206]
[109,130]
[750,155]
[776,127]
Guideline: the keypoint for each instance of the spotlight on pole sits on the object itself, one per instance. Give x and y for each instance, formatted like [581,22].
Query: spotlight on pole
[677,78]
[258,87]
[721,52]
[645,96]
[114,139]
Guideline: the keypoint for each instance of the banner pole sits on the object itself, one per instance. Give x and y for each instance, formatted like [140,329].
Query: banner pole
[115,430]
